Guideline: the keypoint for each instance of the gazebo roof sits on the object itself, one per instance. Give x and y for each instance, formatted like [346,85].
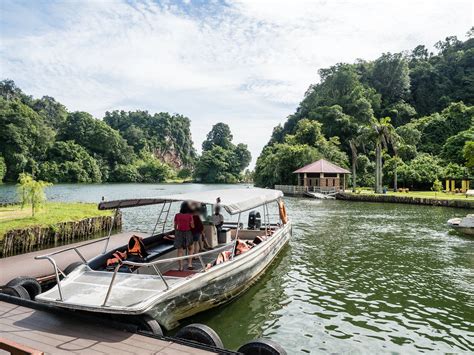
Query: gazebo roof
[322,166]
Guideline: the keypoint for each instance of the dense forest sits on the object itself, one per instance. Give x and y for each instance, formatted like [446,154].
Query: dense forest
[40,137]
[403,119]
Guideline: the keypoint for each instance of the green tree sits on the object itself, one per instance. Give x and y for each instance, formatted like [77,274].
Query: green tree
[69,162]
[468,152]
[220,135]
[125,173]
[214,166]
[97,137]
[167,136]
[152,170]
[437,187]
[390,77]
[453,149]
[221,161]
[53,112]
[277,163]
[32,192]
[24,137]
[383,133]
[242,158]
[437,128]
[3,169]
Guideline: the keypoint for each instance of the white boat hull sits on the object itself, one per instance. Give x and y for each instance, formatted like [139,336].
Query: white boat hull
[463,225]
[215,287]
[136,294]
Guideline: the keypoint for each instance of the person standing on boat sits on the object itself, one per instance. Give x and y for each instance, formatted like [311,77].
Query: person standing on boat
[197,230]
[183,237]
[218,218]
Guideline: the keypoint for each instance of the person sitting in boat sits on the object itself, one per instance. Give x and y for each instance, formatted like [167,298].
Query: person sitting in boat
[183,225]
[218,219]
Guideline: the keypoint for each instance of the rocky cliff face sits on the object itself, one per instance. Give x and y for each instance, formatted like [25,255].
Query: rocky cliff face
[170,157]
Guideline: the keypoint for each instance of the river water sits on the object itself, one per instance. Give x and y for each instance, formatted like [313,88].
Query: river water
[356,277]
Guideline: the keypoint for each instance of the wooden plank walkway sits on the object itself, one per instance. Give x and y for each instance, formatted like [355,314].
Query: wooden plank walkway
[26,265]
[54,333]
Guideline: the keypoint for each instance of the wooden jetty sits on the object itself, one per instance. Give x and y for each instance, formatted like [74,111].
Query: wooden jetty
[26,265]
[25,330]
[319,195]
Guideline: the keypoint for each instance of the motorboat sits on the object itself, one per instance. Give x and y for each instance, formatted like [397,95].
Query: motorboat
[464,225]
[155,286]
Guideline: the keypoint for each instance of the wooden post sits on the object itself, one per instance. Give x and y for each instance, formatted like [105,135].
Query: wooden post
[453,185]
[304,179]
[447,185]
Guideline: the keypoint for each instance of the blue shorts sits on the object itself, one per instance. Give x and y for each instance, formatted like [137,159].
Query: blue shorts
[196,237]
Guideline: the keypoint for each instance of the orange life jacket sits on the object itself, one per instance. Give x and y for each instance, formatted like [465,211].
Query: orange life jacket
[136,246]
[282,210]
[117,258]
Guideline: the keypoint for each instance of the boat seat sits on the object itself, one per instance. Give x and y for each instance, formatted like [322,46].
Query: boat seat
[158,250]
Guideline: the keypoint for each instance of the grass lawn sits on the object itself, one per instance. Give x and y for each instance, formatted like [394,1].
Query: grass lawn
[13,217]
[426,194]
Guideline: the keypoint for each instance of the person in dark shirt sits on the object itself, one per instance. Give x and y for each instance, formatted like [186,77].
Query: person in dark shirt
[197,231]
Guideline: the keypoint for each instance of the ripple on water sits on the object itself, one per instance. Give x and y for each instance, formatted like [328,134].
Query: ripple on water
[356,278]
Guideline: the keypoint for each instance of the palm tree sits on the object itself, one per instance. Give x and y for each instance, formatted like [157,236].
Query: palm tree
[383,132]
[396,141]
[353,143]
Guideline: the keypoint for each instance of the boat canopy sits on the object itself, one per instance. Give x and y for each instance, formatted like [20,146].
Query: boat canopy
[232,200]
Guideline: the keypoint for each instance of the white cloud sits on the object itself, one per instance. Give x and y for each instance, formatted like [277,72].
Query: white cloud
[247,63]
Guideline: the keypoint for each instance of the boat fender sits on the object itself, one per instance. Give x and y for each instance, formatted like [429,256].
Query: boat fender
[148,324]
[282,211]
[200,333]
[70,268]
[15,291]
[28,283]
[261,347]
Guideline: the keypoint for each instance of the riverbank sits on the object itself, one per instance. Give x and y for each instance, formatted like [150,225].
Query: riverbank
[55,224]
[413,198]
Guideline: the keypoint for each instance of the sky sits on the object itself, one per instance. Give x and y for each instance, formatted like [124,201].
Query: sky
[247,63]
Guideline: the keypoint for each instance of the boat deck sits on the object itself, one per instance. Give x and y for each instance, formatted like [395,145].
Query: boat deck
[52,333]
[89,288]
[26,265]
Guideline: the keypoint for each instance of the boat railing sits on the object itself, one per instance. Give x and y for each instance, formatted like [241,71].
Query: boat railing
[57,270]
[154,263]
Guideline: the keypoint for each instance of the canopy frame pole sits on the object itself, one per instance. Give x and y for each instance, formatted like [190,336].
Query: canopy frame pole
[166,217]
[236,236]
[110,230]
[266,218]
[158,219]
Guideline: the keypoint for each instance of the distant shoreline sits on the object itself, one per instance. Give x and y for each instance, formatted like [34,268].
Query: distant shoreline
[428,201]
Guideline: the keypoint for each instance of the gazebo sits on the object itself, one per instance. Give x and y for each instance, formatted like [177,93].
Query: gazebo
[322,175]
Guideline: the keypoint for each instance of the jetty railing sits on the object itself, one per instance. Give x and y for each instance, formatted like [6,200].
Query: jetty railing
[301,190]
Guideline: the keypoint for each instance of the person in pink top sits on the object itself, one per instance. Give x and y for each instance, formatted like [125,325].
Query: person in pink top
[183,237]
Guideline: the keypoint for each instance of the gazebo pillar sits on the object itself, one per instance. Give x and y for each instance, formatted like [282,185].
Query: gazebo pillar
[304,179]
